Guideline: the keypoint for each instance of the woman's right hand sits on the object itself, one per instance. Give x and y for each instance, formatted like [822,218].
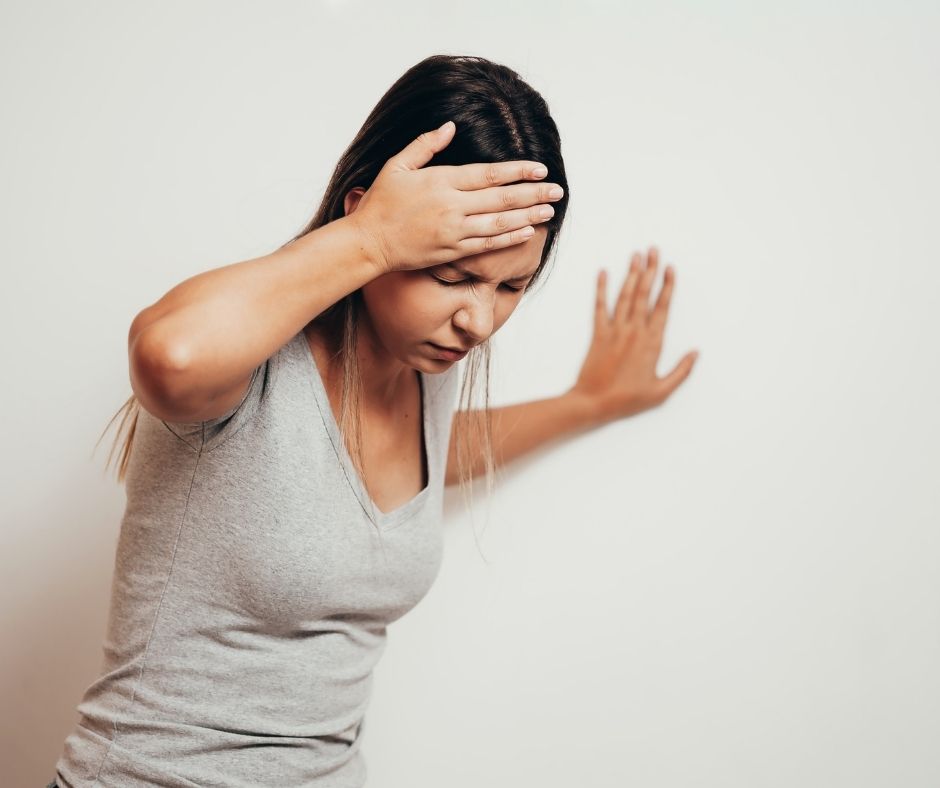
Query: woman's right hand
[415,218]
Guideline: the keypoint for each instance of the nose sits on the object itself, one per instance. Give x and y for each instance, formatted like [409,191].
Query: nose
[475,318]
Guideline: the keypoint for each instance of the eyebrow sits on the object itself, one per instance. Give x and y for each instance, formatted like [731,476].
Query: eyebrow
[463,271]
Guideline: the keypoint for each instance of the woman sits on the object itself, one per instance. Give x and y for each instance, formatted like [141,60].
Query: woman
[290,438]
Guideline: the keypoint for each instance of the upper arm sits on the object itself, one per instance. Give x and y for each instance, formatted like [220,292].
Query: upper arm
[155,370]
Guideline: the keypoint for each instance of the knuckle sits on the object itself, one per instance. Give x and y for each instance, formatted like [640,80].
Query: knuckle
[448,232]
[501,222]
[491,174]
[452,215]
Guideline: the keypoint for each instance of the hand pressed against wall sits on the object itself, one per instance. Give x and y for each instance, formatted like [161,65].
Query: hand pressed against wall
[618,374]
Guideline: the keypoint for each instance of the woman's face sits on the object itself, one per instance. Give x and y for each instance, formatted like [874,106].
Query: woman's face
[455,305]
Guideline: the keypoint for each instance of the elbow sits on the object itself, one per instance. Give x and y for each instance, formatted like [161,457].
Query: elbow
[157,370]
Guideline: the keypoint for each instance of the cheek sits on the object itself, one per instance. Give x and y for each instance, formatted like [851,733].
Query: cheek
[411,306]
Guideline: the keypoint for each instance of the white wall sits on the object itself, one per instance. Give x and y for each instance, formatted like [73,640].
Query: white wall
[739,588]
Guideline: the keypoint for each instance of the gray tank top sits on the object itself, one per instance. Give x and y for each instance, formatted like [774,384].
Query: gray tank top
[252,592]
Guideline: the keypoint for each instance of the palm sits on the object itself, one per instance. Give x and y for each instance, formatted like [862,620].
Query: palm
[619,371]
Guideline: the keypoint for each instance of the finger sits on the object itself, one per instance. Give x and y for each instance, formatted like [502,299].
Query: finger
[483,224]
[622,308]
[421,150]
[661,309]
[478,245]
[483,175]
[601,316]
[674,379]
[639,308]
[503,199]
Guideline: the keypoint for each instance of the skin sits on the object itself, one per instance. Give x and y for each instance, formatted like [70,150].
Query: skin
[617,378]
[407,309]
[618,375]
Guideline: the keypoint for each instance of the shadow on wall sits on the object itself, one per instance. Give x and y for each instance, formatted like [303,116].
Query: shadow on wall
[56,622]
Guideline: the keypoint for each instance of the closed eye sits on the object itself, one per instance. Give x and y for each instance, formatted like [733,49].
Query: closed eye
[448,283]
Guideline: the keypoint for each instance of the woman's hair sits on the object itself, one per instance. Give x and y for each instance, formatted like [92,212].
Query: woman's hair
[499,117]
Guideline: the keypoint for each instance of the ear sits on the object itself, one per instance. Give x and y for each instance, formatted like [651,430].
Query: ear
[352,199]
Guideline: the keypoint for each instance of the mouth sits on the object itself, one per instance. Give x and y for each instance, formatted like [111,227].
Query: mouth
[448,353]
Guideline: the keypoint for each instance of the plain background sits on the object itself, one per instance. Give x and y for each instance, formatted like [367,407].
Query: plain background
[739,588]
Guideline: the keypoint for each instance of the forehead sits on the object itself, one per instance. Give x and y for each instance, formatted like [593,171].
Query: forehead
[511,262]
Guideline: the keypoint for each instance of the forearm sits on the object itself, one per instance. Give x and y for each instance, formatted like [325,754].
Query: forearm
[520,429]
[217,326]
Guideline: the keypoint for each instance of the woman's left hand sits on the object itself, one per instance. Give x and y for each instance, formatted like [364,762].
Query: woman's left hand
[618,376]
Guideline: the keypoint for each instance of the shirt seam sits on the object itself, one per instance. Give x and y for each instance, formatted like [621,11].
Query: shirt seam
[183,440]
[153,627]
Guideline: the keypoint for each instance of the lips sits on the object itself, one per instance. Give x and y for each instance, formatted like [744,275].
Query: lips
[452,349]
[446,353]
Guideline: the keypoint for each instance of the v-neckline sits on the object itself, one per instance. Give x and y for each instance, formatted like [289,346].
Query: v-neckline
[401,512]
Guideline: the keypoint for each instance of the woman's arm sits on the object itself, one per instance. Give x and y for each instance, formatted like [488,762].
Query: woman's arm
[191,350]
[617,378]
[519,429]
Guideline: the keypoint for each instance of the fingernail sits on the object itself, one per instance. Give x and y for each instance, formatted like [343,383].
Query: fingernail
[540,171]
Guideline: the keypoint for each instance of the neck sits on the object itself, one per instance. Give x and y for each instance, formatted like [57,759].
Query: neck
[384,377]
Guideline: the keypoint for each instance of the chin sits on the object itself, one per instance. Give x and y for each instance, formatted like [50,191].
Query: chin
[433,366]
[430,365]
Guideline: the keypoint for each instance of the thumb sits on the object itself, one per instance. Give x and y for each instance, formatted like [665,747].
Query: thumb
[678,374]
[422,150]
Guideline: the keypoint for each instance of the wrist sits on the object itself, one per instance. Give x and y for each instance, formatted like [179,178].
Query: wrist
[369,244]
[590,410]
